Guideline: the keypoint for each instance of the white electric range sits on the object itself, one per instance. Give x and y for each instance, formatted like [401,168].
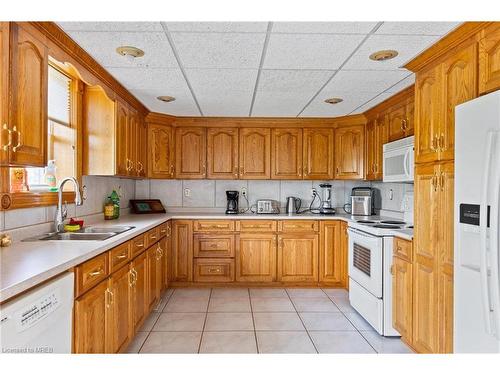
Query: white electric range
[370,261]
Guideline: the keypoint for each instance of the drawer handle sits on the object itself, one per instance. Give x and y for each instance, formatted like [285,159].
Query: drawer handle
[212,270]
[95,273]
[152,237]
[139,245]
[121,256]
[163,231]
[400,248]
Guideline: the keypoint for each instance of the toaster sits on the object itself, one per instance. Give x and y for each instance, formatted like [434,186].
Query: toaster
[268,206]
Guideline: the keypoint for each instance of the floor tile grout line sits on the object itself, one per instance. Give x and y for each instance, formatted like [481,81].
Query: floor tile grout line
[356,328]
[303,324]
[253,321]
[205,321]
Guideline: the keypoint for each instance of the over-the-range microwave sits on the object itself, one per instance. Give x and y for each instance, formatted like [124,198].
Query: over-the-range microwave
[399,160]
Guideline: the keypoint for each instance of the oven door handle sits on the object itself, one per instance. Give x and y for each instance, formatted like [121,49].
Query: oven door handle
[362,234]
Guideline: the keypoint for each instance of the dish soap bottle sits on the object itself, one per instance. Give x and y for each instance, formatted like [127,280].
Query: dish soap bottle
[115,199]
[109,209]
[50,175]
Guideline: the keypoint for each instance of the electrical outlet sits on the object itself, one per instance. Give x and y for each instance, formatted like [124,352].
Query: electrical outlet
[390,194]
[313,192]
[243,191]
[187,192]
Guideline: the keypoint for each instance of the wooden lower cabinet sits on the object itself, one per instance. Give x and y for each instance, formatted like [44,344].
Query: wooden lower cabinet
[332,253]
[182,251]
[298,257]
[90,321]
[154,257]
[402,298]
[165,248]
[256,257]
[213,270]
[119,315]
[140,289]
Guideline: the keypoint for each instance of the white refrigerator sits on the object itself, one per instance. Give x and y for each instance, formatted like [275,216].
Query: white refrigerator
[477,194]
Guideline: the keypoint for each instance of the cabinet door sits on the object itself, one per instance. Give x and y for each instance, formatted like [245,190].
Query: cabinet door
[4,92]
[489,59]
[154,261]
[428,103]
[256,257]
[298,257]
[381,137]
[397,122]
[371,152]
[286,154]
[120,323]
[123,163]
[344,241]
[255,153]
[318,154]
[349,152]
[182,250]
[402,297]
[164,247]
[28,99]
[90,321]
[410,117]
[161,151]
[331,257]
[459,86]
[140,292]
[133,141]
[190,153]
[222,153]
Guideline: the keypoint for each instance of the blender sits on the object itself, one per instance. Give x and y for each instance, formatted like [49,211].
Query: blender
[325,207]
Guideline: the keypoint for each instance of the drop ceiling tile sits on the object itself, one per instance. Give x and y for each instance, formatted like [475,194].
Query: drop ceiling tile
[372,103]
[318,108]
[324,27]
[111,26]
[356,81]
[218,81]
[102,46]
[225,103]
[408,81]
[309,51]
[293,80]
[183,105]
[167,79]
[417,28]
[279,104]
[408,46]
[219,27]
[219,50]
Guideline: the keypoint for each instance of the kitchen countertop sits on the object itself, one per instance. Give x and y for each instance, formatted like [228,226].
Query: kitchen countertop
[27,264]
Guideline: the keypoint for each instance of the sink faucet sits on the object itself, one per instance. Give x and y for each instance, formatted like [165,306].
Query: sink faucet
[62,213]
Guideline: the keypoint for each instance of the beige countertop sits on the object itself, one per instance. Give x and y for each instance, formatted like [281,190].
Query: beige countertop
[27,264]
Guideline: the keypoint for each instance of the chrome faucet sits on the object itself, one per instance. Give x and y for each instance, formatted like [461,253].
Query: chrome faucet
[62,213]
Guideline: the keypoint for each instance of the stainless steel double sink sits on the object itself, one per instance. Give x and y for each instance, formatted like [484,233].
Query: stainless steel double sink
[85,234]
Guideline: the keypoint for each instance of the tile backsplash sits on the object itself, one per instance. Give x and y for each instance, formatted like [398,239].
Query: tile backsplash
[210,195]
[21,222]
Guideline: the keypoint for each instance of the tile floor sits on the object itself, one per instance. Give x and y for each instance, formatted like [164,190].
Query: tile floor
[264,320]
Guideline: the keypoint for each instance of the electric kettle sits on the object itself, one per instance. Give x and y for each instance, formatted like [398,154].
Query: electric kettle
[293,205]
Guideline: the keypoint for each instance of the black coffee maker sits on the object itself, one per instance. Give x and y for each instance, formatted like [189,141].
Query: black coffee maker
[232,202]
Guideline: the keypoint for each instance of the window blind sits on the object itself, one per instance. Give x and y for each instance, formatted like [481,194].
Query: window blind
[59,97]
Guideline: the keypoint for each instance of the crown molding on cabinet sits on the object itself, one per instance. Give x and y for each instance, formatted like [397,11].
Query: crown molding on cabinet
[397,98]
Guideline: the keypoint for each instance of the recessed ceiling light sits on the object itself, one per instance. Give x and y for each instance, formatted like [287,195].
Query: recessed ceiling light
[334,100]
[383,55]
[166,98]
[130,52]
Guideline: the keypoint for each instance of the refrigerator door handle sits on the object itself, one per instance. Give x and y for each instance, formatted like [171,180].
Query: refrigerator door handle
[483,225]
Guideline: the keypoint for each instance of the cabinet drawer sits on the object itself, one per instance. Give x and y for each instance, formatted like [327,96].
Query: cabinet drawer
[211,246]
[164,229]
[213,270]
[119,256]
[138,245]
[403,249]
[91,273]
[213,225]
[152,236]
[256,226]
[298,226]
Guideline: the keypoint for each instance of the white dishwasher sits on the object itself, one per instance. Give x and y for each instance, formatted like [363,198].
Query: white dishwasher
[39,321]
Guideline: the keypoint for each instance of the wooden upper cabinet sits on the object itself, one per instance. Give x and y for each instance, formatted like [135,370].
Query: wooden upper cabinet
[459,86]
[349,152]
[122,134]
[371,149]
[160,151]
[190,153]
[28,107]
[400,120]
[318,154]
[4,91]
[255,153]
[489,59]
[428,102]
[142,148]
[286,154]
[222,153]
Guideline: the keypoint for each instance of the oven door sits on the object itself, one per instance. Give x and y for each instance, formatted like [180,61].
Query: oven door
[398,165]
[365,260]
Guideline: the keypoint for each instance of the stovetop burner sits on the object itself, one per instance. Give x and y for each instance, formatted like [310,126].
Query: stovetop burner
[392,222]
[386,226]
[365,221]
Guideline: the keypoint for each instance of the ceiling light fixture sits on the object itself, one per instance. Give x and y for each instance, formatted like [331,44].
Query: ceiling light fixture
[166,98]
[130,52]
[334,100]
[383,55]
